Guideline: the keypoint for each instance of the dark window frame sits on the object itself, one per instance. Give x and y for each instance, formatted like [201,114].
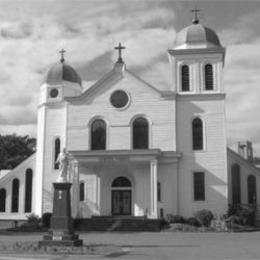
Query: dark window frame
[185,78]
[140,133]
[120,182]
[56,153]
[197,134]
[209,77]
[28,190]
[236,184]
[81,191]
[2,200]
[97,134]
[251,189]
[199,193]
[159,191]
[15,195]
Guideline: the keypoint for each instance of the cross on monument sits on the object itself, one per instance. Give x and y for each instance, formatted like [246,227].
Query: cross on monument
[119,48]
[196,19]
[62,51]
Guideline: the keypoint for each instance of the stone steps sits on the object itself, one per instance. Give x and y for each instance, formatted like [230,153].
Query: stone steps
[118,224]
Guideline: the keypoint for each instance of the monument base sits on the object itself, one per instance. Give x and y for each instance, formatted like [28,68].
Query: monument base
[61,232]
[61,238]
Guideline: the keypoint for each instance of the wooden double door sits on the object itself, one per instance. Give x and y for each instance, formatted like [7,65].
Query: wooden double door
[121,202]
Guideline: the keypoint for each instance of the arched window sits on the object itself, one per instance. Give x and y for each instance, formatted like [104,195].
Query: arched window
[56,152]
[121,182]
[28,190]
[236,186]
[251,189]
[185,78]
[15,195]
[82,191]
[140,133]
[197,134]
[208,77]
[98,135]
[2,200]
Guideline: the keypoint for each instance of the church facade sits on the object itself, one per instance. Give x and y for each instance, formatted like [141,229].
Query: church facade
[136,150]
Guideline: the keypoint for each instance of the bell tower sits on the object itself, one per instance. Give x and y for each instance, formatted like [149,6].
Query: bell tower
[61,81]
[197,61]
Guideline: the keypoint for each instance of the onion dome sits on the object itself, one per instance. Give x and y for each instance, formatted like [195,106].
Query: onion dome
[197,36]
[61,71]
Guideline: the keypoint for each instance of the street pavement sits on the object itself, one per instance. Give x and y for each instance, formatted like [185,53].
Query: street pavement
[163,245]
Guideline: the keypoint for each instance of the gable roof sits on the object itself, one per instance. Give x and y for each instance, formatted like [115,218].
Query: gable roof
[117,73]
[19,169]
[242,161]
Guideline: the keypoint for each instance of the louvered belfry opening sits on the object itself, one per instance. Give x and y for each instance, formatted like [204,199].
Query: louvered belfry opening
[185,77]
[208,77]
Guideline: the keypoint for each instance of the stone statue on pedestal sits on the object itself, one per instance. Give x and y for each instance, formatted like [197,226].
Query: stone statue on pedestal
[63,160]
[61,231]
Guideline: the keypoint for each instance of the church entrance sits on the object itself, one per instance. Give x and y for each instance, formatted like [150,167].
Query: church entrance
[121,196]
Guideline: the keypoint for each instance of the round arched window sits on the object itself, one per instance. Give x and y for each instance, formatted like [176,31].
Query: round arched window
[119,99]
[54,93]
[121,182]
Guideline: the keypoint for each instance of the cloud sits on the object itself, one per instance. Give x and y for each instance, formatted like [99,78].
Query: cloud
[32,33]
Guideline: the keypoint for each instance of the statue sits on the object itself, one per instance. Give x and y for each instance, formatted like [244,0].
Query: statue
[63,160]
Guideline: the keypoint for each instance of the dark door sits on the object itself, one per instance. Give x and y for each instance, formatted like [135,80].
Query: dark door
[121,202]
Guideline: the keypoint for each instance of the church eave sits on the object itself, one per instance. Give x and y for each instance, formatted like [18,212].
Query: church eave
[243,161]
[142,155]
[111,76]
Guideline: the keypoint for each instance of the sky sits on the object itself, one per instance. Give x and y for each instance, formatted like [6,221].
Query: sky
[33,31]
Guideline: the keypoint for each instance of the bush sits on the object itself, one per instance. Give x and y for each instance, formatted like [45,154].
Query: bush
[247,216]
[244,213]
[175,219]
[46,219]
[204,217]
[193,222]
[33,219]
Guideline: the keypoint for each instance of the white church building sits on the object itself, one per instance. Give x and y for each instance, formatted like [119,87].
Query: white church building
[137,150]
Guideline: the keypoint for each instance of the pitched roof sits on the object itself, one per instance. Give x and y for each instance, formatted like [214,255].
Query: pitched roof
[117,73]
[242,161]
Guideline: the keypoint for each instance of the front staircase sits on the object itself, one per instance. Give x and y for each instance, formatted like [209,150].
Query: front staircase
[112,223]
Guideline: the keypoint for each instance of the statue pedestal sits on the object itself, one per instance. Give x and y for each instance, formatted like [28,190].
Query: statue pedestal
[61,231]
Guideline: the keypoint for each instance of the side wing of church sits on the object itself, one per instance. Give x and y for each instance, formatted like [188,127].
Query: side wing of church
[137,151]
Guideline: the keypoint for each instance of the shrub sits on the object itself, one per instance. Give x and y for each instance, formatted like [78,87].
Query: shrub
[175,219]
[33,219]
[234,220]
[247,216]
[46,219]
[204,217]
[193,222]
[244,213]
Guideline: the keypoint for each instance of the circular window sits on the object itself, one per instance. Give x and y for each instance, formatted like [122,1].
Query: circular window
[54,93]
[119,99]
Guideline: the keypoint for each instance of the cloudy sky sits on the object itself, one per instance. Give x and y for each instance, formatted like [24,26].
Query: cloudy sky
[33,31]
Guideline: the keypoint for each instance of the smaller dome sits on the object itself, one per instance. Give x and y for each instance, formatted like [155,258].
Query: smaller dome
[60,72]
[197,36]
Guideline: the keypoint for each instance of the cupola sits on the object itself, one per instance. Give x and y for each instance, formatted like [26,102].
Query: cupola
[197,36]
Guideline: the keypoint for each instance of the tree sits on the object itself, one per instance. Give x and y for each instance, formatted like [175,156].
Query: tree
[15,149]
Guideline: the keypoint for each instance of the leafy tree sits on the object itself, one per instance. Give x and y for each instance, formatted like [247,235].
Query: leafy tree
[14,149]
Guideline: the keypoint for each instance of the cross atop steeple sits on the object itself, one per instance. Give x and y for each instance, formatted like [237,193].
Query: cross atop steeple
[119,48]
[62,51]
[196,19]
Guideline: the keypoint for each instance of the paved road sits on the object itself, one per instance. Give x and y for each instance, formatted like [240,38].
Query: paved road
[179,246]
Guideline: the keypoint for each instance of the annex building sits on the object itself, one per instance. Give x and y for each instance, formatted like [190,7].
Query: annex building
[137,150]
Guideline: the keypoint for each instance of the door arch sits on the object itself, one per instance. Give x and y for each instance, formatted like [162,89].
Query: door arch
[121,196]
